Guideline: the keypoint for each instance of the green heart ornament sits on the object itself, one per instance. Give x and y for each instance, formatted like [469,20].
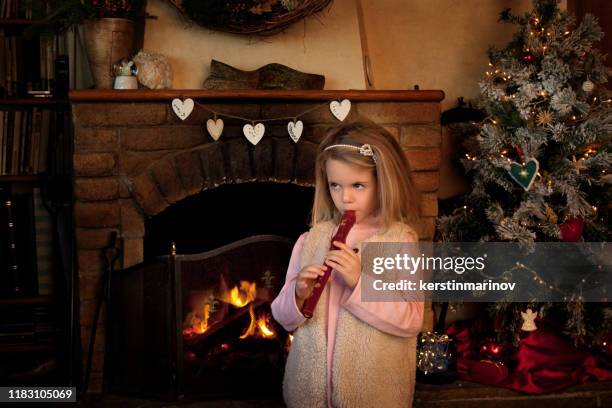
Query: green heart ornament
[524,174]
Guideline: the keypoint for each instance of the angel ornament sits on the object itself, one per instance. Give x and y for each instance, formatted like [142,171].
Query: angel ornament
[529,320]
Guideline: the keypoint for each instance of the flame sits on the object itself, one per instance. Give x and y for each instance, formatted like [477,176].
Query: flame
[289,342]
[251,329]
[241,297]
[238,296]
[264,330]
[258,327]
[197,323]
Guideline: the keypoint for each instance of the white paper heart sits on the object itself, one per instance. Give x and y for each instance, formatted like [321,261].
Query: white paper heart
[254,134]
[182,108]
[215,128]
[295,130]
[340,109]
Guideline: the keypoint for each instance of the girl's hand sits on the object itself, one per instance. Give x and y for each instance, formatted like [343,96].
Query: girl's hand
[306,282]
[346,262]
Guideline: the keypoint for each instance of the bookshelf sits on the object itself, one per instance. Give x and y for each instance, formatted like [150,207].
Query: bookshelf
[16,22]
[36,267]
[34,102]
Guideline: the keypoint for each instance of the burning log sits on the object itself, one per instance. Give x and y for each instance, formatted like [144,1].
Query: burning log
[220,325]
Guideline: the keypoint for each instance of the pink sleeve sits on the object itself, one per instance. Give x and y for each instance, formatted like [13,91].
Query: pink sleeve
[403,319]
[284,308]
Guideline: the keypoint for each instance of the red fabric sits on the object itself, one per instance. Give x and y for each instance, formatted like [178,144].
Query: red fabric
[544,362]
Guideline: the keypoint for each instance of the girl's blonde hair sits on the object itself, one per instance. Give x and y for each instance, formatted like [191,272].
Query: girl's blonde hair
[398,199]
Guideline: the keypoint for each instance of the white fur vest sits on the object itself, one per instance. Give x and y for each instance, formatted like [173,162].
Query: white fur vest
[370,368]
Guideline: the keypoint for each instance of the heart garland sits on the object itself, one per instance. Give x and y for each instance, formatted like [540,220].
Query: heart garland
[295,130]
[215,128]
[254,133]
[524,174]
[340,109]
[182,109]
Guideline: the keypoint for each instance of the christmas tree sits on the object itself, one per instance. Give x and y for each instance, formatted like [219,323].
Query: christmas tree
[540,160]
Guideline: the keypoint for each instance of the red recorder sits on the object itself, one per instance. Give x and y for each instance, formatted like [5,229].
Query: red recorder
[346,223]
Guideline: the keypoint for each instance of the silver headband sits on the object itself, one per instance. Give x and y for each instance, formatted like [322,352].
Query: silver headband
[364,150]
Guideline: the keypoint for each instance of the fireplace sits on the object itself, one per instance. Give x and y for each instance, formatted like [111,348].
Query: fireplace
[213,335]
[135,162]
[199,326]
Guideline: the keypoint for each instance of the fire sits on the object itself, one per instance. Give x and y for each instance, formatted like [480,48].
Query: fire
[263,328]
[289,342]
[242,296]
[260,323]
[251,329]
[197,323]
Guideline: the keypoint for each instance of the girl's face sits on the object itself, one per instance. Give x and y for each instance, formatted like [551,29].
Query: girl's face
[352,188]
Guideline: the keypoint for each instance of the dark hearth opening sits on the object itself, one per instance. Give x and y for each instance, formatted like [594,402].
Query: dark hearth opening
[198,324]
[228,213]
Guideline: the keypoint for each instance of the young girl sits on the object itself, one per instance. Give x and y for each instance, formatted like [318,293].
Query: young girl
[351,353]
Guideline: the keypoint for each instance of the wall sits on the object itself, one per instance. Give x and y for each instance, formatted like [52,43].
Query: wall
[329,45]
[437,44]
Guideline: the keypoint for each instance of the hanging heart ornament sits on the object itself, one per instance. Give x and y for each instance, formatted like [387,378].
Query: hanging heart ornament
[524,174]
[340,109]
[254,133]
[215,128]
[182,109]
[295,130]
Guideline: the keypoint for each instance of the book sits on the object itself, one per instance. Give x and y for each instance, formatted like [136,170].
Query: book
[43,226]
[16,143]
[45,128]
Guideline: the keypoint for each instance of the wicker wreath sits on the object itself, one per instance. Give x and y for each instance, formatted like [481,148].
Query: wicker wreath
[263,17]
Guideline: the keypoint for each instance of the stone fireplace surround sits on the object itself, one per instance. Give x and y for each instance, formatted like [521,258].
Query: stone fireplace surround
[133,158]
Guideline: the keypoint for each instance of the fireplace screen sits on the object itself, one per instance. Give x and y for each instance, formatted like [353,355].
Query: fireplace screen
[200,325]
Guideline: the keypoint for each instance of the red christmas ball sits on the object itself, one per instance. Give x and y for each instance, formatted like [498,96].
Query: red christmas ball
[571,230]
[527,57]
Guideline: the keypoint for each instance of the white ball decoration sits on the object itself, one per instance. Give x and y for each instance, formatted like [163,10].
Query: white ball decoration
[154,70]
[588,86]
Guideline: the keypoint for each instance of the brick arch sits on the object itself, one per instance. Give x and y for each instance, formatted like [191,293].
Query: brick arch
[187,172]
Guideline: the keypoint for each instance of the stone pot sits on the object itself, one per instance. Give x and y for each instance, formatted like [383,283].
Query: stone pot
[107,41]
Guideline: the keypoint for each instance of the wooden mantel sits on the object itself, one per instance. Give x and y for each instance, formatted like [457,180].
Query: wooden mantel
[142,95]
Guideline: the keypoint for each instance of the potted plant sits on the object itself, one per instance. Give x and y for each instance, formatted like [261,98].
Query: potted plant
[109,28]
